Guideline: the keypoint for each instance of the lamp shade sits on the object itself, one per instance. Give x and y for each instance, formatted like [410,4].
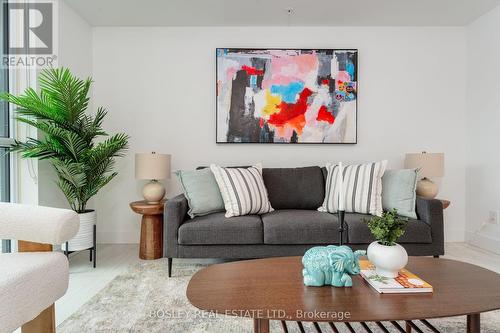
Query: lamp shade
[152,166]
[430,164]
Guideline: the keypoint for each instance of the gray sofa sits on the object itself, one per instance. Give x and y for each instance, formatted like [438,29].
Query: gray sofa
[294,226]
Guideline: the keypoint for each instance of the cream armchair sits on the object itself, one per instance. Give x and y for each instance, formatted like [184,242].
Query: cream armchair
[35,277]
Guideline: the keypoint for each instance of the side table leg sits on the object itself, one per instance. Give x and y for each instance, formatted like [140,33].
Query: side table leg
[151,246]
[260,325]
[408,327]
[474,323]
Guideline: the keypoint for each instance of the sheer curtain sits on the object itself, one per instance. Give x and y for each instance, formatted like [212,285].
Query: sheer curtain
[6,133]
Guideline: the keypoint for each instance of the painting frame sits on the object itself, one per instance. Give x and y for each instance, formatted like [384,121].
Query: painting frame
[356,67]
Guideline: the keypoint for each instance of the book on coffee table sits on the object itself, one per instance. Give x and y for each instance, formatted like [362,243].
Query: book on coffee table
[405,282]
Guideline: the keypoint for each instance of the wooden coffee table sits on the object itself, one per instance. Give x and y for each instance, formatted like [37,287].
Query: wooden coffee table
[272,289]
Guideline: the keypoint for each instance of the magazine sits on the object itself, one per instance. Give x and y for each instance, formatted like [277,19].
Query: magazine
[405,282]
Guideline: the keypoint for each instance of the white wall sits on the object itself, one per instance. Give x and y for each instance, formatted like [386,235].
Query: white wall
[75,52]
[75,41]
[158,85]
[483,129]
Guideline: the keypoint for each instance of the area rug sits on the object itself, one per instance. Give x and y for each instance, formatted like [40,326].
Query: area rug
[144,299]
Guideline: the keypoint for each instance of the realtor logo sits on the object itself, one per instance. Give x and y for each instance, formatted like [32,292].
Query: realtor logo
[33,24]
[31,33]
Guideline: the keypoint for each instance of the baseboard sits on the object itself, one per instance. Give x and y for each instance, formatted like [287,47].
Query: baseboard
[116,237]
[484,242]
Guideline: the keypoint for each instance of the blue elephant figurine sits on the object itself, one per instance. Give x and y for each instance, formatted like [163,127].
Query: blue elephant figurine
[330,265]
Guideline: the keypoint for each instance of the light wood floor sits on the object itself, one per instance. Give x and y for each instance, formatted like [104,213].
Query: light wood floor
[112,260]
[86,281]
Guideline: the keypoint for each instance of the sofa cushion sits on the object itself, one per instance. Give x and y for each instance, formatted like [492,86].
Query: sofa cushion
[201,191]
[216,229]
[243,190]
[295,188]
[361,188]
[292,226]
[417,231]
[398,191]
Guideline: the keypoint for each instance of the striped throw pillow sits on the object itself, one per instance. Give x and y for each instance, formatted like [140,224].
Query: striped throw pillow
[242,189]
[362,188]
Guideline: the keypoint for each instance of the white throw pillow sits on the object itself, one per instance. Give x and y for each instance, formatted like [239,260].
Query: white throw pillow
[362,188]
[242,189]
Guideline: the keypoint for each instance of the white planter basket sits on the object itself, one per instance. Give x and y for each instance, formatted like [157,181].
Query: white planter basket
[388,260]
[84,239]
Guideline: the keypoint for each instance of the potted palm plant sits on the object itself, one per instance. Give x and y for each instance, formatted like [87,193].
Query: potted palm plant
[384,253]
[69,140]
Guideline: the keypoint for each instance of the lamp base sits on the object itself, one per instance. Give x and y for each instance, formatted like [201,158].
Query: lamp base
[153,192]
[427,188]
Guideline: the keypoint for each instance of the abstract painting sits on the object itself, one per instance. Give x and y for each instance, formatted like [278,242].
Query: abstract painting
[286,95]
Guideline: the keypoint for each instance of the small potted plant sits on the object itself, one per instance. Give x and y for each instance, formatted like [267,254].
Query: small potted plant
[384,253]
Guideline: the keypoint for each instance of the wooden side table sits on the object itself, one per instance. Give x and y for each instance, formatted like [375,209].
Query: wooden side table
[151,246]
[445,203]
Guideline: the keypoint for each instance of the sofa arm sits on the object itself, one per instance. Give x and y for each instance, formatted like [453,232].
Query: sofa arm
[431,212]
[175,214]
[38,224]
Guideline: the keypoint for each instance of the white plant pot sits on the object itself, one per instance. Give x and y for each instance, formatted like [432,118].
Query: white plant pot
[84,239]
[388,260]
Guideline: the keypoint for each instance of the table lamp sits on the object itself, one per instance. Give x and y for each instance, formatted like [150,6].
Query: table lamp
[429,165]
[153,167]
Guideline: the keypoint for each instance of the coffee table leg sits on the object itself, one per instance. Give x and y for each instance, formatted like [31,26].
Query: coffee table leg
[408,327]
[474,323]
[260,325]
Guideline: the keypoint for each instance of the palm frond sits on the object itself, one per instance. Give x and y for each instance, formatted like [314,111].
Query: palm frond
[72,172]
[69,191]
[33,148]
[66,91]
[75,144]
[45,127]
[37,106]
[99,183]
[111,147]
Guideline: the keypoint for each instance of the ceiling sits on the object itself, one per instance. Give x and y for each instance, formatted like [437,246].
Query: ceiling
[274,12]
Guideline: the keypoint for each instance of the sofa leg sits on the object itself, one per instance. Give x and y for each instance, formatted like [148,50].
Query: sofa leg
[169,266]
[45,322]
[436,256]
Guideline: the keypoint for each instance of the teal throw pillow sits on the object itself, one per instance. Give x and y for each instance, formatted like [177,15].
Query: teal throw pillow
[399,191]
[201,191]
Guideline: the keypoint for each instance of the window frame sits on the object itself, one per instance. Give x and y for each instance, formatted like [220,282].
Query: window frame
[8,140]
